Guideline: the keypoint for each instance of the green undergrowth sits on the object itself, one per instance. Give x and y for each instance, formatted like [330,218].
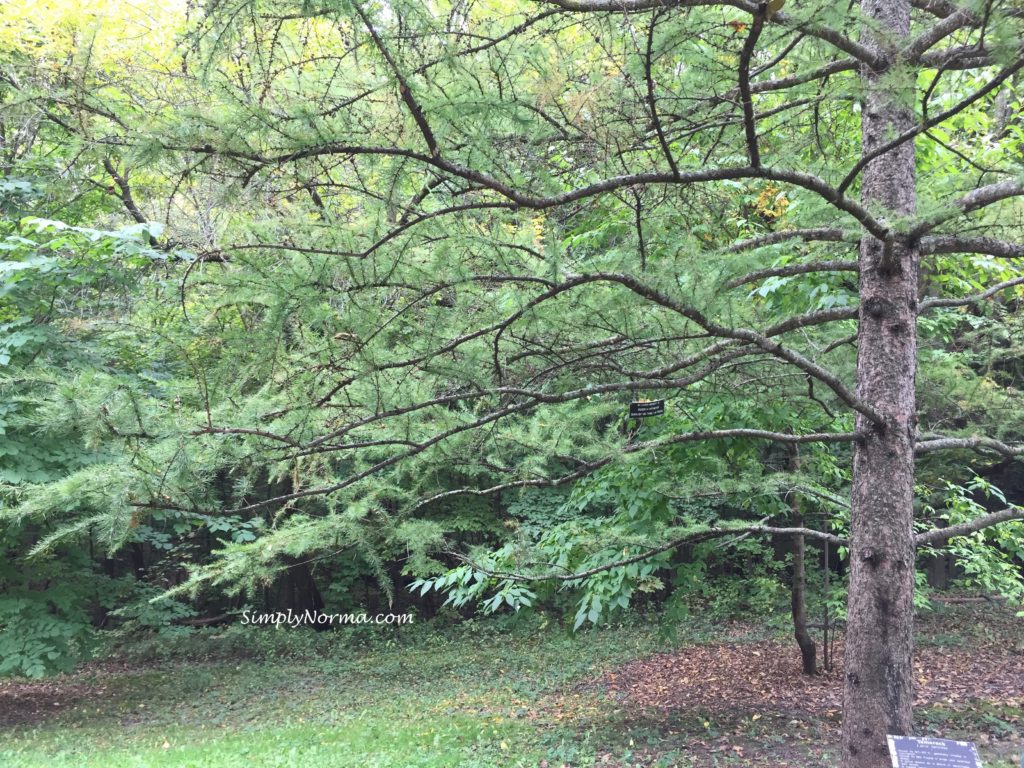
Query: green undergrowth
[480,694]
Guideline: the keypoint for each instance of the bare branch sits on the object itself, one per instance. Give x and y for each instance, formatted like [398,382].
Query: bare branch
[753,434]
[939,443]
[403,86]
[822,234]
[826,70]
[973,299]
[972,201]
[831,36]
[942,535]
[749,125]
[986,245]
[794,269]
[939,32]
[928,124]
[126,195]
[652,102]
[939,8]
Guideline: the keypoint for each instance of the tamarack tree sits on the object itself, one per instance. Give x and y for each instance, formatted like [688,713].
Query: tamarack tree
[512,210]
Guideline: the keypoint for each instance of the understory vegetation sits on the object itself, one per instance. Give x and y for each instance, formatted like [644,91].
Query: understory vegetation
[626,319]
[494,692]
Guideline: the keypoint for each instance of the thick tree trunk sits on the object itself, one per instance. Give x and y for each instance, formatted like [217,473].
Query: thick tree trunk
[798,586]
[878,689]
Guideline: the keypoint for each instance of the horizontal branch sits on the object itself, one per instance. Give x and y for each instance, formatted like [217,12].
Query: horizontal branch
[824,234]
[794,269]
[940,535]
[974,298]
[800,78]
[753,434]
[532,201]
[974,200]
[926,538]
[986,245]
[932,244]
[832,36]
[940,443]
[693,538]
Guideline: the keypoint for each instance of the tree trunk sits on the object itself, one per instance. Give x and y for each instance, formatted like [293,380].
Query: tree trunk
[878,687]
[808,650]
[798,585]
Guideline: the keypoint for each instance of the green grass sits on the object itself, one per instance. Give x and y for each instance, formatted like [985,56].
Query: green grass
[482,695]
[466,703]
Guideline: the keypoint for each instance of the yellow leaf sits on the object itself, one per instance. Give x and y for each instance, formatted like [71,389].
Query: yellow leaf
[774,7]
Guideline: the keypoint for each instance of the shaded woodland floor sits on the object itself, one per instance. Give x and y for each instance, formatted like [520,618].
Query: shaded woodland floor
[491,695]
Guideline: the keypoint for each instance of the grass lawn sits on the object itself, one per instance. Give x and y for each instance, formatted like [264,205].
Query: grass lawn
[485,695]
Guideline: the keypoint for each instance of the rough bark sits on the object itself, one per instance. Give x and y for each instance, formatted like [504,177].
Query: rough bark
[878,685]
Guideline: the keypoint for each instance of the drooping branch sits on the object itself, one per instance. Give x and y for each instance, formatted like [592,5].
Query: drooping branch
[735,343]
[530,399]
[587,468]
[742,334]
[644,379]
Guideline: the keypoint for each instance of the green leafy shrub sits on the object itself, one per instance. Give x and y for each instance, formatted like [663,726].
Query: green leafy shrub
[42,632]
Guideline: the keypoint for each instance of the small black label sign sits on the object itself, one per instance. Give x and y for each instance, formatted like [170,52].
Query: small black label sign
[646,408]
[913,752]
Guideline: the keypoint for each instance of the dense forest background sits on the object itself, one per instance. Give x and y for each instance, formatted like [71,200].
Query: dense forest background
[302,307]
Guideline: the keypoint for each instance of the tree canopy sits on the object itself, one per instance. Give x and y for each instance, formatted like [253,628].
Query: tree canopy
[293,285]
